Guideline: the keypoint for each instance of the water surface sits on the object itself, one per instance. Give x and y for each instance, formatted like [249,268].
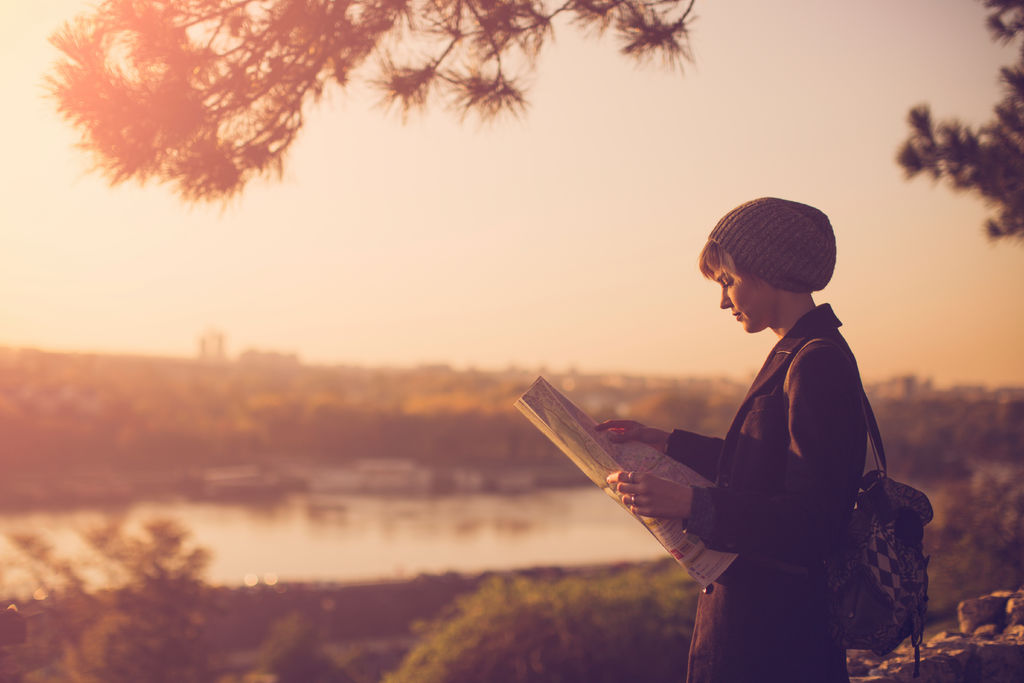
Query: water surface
[356,538]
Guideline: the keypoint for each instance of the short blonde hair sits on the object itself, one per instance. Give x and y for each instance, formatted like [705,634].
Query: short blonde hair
[713,260]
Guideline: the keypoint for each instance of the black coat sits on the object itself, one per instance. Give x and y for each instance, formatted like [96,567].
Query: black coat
[785,479]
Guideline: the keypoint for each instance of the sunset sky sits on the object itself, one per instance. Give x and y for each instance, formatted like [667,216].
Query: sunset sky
[565,239]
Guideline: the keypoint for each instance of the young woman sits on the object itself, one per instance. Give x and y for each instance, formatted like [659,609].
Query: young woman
[788,469]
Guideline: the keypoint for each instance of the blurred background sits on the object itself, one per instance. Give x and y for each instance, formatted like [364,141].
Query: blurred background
[283,422]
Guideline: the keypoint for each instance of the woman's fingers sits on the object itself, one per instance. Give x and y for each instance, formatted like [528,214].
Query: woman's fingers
[620,430]
[624,478]
[636,503]
[627,482]
[617,424]
[651,496]
[635,499]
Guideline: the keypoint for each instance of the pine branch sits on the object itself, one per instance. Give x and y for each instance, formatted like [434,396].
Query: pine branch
[206,95]
[986,161]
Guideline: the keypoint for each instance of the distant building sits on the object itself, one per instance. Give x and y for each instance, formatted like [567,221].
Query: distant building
[212,347]
[240,482]
[374,476]
[970,392]
[1009,394]
[1011,408]
[905,388]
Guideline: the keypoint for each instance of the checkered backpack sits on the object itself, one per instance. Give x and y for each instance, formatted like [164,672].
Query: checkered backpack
[878,579]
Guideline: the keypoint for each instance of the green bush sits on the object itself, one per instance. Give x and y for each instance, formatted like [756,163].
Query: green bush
[610,626]
[294,653]
[976,541]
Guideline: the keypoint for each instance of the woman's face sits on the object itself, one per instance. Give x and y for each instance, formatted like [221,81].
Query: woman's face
[751,300]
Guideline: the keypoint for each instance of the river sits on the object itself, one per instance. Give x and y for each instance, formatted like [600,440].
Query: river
[362,538]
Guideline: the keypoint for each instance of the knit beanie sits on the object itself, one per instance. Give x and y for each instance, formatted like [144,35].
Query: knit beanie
[787,244]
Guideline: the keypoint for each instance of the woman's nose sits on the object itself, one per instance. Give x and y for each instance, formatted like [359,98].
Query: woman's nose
[726,303]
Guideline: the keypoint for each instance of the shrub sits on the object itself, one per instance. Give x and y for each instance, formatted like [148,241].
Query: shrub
[977,540]
[611,626]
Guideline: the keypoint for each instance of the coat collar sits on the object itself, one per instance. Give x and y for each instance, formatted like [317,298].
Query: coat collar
[820,321]
[817,322]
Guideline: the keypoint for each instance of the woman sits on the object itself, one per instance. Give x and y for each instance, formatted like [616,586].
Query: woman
[787,471]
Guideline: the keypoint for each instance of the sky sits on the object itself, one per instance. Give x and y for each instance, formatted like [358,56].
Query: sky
[566,239]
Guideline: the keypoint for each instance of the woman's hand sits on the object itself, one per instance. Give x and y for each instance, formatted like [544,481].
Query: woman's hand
[651,496]
[630,430]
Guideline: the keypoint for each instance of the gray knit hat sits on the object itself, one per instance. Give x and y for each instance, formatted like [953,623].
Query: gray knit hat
[787,244]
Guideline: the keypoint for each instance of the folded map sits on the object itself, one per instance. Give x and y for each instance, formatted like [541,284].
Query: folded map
[573,431]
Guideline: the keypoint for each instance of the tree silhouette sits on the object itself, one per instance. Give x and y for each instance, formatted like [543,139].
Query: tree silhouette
[988,161]
[208,94]
[145,625]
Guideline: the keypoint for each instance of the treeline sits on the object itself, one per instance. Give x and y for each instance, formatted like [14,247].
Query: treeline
[948,435]
[65,409]
[69,413]
[70,410]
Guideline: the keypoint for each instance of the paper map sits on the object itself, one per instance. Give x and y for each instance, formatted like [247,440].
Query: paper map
[573,431]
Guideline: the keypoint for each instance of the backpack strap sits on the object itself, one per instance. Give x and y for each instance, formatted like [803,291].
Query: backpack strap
[874,434]
[875,438]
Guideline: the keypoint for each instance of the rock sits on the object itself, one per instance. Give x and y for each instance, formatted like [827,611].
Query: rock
[1000,662]
[937,668]
[986,631]
[1015,609]
[893,667]
[988,609]
[945,665]
[961,655]
[985,656]
[946,638]
[860,662]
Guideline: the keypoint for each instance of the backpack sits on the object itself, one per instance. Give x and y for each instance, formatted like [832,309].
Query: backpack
[877,580]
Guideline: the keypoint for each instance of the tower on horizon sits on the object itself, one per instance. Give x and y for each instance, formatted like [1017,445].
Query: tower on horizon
[212,347]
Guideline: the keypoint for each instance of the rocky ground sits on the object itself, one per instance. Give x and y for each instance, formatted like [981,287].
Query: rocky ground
[988,648]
